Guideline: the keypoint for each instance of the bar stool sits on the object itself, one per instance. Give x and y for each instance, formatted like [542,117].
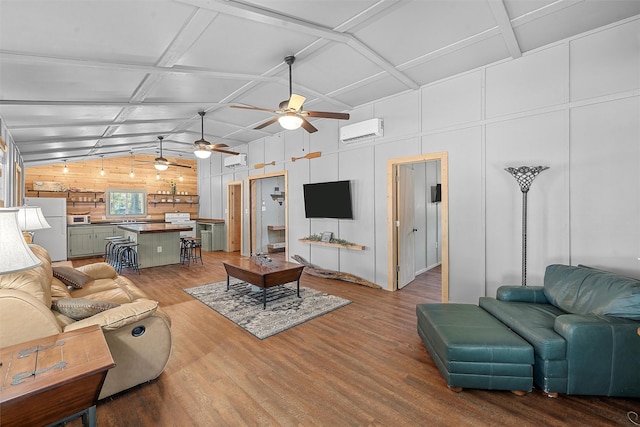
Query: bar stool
[109,244]
[190,249]
[126,256]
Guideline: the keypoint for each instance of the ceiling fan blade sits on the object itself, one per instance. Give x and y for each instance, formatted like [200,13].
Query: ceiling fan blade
[253,108]
[178,165]
[219,150]
[267,123]
[308,126]
[326,115]
[295,102]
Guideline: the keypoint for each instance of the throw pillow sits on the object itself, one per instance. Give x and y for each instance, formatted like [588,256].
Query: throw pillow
[71,277]
[80,308]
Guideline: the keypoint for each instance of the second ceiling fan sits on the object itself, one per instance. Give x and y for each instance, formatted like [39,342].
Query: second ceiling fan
[290,114]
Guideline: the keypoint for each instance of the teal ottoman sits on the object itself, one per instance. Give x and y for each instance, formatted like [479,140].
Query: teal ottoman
[472,349]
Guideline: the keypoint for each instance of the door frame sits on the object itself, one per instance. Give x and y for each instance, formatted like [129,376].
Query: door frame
[253,209]
[392,231]
[239,216]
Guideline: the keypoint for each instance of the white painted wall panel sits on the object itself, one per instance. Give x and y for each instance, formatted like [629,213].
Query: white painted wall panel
[357,167]
[466,226]
[533,81]
[605,184]
[539,140]
[401,114]
[606,62]
[452,102]
[324,169]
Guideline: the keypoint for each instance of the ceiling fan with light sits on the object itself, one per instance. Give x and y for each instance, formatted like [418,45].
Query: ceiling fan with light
[162,164]
[290,114]
[203,147]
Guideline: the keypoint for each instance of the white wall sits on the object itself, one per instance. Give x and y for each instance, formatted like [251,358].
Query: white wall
[572,106]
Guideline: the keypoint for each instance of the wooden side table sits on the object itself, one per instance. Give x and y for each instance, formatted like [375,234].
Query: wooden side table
[54,378]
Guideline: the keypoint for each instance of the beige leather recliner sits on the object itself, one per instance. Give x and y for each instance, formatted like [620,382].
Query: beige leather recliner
[137,331]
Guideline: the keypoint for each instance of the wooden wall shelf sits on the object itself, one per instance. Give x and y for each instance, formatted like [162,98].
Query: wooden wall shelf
[334,245]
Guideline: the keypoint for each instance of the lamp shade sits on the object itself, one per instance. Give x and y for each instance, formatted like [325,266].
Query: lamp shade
[290,121]
[15,254]
[161,166]
[202,153]
[30,218]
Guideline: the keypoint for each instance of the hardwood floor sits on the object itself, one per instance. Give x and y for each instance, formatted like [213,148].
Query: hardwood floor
[363,364]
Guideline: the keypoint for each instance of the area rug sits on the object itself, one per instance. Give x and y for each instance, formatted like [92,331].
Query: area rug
[242,304]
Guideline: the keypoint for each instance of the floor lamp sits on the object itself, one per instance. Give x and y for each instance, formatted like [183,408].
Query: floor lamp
[525,175]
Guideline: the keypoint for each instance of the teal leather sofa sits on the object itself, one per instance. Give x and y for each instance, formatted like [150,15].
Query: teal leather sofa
[583,326]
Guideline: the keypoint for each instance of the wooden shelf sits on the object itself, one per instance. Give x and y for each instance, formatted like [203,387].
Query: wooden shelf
[276,227]
[334,245]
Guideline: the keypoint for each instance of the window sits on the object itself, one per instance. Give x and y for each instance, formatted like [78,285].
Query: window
[122,203]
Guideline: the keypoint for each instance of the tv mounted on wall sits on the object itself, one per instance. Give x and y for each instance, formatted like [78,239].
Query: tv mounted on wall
[328,200]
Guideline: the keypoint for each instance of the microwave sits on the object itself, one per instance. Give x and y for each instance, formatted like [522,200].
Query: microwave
[78,219]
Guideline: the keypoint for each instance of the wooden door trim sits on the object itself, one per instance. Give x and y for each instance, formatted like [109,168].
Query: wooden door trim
[252,211]
[392,231]
[240,218]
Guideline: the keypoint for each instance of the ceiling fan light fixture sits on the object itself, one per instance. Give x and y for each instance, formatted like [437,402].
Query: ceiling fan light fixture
[161,167]
[290,121]
[201,152]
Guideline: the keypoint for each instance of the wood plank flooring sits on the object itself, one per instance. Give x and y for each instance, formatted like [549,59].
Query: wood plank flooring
[363,364]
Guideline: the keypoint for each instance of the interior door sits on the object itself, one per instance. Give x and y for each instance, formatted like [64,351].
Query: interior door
[234,217]
[406,226]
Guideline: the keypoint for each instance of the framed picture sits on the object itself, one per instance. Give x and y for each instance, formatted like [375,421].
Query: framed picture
[326,236]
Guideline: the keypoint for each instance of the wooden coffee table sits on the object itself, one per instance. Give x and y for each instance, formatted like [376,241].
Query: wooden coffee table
[54,379]
[264,274]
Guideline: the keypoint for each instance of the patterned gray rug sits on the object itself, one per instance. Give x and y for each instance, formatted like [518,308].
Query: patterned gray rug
[242,304]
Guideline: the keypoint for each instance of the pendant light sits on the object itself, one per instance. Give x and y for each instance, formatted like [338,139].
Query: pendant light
[102,170]
[65,169]
[202,144]
[131,174]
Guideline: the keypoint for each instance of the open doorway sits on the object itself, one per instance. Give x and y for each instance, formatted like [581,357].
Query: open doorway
[234,216]
[409,229]
[268,214]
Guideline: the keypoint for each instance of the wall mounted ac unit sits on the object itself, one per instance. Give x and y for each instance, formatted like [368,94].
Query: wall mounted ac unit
[362,130]
[237,160]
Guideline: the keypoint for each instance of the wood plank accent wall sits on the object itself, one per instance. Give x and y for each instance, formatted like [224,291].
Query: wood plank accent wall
[86,177]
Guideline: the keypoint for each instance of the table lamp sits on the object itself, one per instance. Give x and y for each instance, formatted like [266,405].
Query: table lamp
[15,254]
[31,219]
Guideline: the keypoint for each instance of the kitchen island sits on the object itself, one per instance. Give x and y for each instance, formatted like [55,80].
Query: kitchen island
[158,243]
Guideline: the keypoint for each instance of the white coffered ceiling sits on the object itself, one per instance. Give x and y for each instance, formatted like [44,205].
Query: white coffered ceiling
[80,79]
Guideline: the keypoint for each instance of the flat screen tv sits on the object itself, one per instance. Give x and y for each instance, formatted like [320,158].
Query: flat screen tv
[328,200]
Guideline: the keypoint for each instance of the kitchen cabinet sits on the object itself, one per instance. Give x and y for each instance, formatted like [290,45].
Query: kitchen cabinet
[88,240]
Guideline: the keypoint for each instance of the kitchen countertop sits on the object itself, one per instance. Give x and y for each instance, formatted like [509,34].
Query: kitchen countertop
[163,227]
[209,220]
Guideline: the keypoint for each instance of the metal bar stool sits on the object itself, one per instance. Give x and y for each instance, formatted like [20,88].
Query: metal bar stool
[191,249]
[127,256]
[109,244]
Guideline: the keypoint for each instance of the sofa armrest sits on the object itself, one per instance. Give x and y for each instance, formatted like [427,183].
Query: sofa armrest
[602,354]
[118,317]
[24,317]
[534,294]
[99,270]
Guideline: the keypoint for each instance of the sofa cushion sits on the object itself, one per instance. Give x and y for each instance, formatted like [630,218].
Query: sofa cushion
[583,290]
[71,277]
[80,308]
[533,322]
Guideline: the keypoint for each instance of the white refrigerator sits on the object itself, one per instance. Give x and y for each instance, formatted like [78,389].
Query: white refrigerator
[53,239]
